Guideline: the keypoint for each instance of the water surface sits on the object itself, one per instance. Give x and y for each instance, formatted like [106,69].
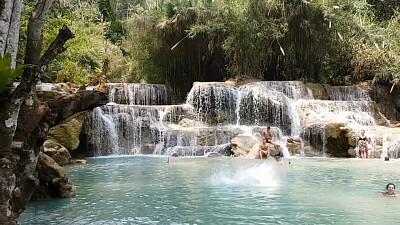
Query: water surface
[149,190]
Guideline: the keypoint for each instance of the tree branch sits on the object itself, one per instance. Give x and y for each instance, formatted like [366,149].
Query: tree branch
[34,40]
[33,74]
[10,108]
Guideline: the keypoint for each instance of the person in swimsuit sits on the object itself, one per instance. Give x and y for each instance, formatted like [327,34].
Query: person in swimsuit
[264,149]
[362,144]
[268,136]
[370,148]
[390,190]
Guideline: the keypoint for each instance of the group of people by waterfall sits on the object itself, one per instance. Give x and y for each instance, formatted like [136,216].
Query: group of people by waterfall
[365,146]
[264,148]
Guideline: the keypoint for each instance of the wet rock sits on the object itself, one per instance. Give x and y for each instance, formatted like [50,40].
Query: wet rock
[185,122]
[67,134]
[310,151]
[224,149]
[49,95]
[337,144]
[79,161]
[318,90]
[352,152]
[57,152]
[54,179]
[243,144]
[213,155]
[148,149]
[64,87]
[294,145]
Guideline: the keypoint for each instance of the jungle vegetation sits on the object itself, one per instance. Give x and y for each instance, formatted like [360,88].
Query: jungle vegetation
[177,42]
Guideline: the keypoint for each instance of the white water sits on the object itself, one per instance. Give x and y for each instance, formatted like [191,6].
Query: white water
[215,113]
[262,175]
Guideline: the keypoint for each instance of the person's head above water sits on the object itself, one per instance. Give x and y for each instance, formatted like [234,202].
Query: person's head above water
[390,188]
[268,128]
[387,158]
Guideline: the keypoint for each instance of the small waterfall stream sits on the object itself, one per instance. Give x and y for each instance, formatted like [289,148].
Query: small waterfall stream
[140,119]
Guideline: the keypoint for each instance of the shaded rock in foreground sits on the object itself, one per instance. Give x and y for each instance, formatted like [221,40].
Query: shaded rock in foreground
[54,181]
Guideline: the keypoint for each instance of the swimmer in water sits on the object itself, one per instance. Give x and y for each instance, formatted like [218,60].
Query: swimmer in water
[279,160]
[390,190]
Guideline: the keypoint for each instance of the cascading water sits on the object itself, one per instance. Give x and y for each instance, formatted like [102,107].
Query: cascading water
[215,113]
[137,94]
[216,101]
[348,93]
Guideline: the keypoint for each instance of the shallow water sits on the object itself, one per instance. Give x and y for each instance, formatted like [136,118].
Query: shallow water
[148,190]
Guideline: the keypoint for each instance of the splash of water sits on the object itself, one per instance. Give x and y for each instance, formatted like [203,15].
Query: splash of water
[262,175]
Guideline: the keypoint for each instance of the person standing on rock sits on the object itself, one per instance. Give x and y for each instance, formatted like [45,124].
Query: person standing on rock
[362,144]
[370,148]
[264,149]
[268,137]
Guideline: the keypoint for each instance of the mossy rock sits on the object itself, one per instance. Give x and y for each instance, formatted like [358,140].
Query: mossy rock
[49,95]
[319,90]
[67,133]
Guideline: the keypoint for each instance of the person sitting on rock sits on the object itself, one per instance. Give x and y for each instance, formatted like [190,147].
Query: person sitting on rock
[268,136]
[264,149]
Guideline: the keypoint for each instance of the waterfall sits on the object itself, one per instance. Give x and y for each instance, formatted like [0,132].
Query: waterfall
[140,120]
[104,136]
[359,112]
[46,87]
[214,103]
[137,94]
[348,93]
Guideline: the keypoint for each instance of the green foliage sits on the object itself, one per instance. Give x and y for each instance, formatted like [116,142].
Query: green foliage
[384,9]
[115,31]
[8,74]
[178,42]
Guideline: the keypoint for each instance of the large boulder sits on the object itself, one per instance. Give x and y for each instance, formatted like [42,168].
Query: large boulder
[242,145]
[337,143]
[386,103]
[318,90]
[57,152]
[67,133]
[293,145]
[54,178]
[334,138]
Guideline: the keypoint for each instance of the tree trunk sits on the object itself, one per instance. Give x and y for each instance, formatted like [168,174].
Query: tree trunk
[9,28]
[34,41]
[5,19]
[13,33]
[17,171]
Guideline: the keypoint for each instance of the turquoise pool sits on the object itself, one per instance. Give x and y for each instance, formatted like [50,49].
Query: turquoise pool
[149,190]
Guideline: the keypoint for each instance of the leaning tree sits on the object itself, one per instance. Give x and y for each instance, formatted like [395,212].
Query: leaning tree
[18,178]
